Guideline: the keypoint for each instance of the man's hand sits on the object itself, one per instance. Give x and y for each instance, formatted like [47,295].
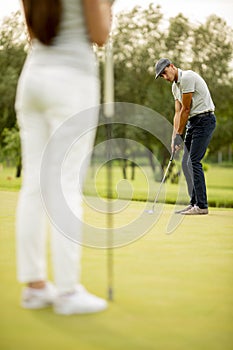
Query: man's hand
[177,142]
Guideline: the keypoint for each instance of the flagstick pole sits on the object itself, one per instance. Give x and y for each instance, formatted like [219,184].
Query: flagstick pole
[109,114]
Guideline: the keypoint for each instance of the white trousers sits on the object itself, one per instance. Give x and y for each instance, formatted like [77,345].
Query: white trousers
[46,97]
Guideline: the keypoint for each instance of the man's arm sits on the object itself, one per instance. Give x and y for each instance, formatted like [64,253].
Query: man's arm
[176,121]
[184,112]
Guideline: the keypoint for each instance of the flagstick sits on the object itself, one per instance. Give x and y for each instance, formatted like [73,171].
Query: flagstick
[109,113]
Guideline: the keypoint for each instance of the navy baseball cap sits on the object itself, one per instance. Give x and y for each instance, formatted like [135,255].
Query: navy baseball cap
[161,65]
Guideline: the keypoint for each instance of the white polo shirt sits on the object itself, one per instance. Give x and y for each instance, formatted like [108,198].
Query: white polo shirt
[189,81]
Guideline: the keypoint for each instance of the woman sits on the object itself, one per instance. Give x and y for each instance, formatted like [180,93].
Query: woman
[59,80]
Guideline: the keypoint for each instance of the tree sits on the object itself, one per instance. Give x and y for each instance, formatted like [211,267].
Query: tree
[11,148]
[206,48]
[140,39]
[12,55]
[212,47]
[177,40]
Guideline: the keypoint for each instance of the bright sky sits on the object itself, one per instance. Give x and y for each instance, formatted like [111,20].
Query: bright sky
[195,10]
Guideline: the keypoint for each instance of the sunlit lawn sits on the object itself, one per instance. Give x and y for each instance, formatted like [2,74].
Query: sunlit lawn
[218,179]
[219,185]
[172,292]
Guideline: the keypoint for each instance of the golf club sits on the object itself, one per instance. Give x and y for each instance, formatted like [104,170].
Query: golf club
[152,210]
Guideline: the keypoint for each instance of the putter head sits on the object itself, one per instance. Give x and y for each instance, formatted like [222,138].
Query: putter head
[150,212]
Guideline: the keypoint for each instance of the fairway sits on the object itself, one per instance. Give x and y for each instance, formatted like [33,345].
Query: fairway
[172,292]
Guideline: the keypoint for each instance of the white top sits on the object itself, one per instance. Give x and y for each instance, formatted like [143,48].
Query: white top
[189,81]
[71,47]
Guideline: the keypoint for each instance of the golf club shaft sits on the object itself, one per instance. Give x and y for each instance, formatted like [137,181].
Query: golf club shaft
[163,179]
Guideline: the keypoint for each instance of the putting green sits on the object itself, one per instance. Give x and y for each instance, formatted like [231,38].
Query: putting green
[172,292]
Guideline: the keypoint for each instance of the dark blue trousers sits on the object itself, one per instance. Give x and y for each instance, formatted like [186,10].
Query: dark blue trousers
[199,131]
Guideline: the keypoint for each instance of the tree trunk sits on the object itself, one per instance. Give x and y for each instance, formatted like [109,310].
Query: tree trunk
[124,168]
[151,160]
[133,165]
[18,169]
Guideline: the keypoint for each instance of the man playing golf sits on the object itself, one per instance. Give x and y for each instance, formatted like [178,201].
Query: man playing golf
[194,109]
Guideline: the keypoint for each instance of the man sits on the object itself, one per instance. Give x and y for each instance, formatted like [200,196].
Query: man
[194,109]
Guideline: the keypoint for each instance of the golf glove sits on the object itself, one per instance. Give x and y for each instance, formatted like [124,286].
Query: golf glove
[178,140]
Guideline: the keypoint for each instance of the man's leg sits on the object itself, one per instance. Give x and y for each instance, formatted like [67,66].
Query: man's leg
[187,166]
[201,136]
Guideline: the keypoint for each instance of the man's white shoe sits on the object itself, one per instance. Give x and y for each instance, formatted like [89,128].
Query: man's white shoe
[38,298]
[79,302]
[181,211]
[195,211]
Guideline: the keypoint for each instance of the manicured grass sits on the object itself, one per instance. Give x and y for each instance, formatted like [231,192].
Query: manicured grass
[8,181]
[172,292]
[220,186]
[218,179]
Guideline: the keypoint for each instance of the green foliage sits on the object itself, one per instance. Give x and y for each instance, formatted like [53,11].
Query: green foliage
[140,38]
[177,39]
[12,56]
[11,145]
[212,47]
[137,39]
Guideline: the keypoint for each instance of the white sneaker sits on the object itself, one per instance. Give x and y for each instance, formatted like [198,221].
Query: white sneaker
[79,302]
[38,298]
[196,211]
[181,211]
